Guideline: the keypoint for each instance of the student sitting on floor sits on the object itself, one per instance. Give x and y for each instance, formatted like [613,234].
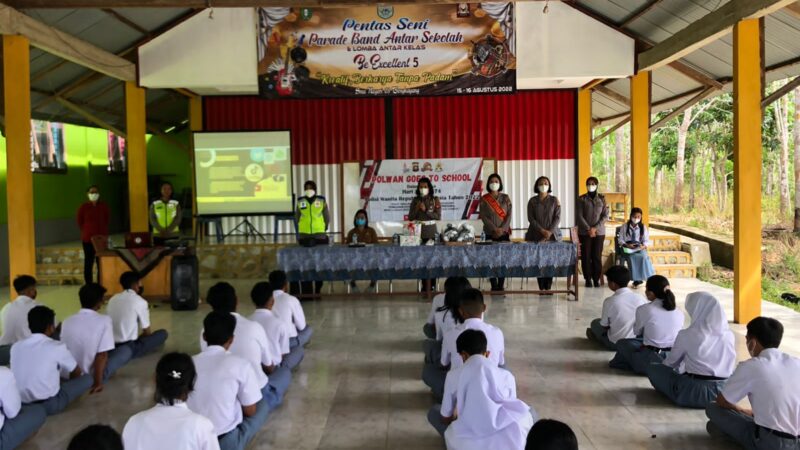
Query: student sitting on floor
[769,379]
[96,437]
[481,401]
[429,328]
[128,310]
[619,310]
[288,308]
[39,361]
[445,317]
[548,434]
[277,330]
[89,337]
[656,327]
[702,358]
[15,315]
[171,424]
[227,390]
[251,344]
[17,422]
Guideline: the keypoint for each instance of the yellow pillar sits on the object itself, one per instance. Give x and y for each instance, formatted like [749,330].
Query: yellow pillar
[137,156]
[195,124]
[19,178]
[747,92]
[584,138]
[640,143]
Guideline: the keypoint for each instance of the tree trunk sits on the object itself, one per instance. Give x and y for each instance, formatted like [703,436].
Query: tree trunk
[680,164]
[606,164]
[797,160]
[781,110]
[693,180]
[619,160]
[770,181]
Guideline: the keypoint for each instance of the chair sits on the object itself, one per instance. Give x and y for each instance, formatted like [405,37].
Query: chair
[201,226]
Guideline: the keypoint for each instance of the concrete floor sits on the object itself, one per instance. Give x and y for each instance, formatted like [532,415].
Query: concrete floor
[359,386]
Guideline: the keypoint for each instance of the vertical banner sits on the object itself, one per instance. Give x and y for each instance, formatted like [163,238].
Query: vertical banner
[388,187]
[386,50]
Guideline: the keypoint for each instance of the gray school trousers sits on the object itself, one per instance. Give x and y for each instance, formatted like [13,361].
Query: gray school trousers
[743,430]
[434,376]
[435,419]
[683,389]
[632,356]
[17,430]
[433,351]
[302,337]
[239,437]
[146,344]
[116,359]
[600,334]
[429,330]
[294,357]
[5,355]
[70,391]
[278,384]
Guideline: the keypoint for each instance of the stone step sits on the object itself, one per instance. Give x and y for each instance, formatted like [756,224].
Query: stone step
[670,257]
[676,270]
[661,242]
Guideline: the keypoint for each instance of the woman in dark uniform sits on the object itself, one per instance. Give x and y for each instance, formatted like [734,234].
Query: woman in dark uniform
[495,212]
[544,215]
[425,207]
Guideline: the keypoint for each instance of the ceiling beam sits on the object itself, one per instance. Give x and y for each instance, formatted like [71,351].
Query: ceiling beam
[65,46]
[613,95]
[611,129]
[793,9]
[785,89]
[638,13]
[124,20]
[677,111]
[707,29]
[24,4]
[593,83]
[89,116]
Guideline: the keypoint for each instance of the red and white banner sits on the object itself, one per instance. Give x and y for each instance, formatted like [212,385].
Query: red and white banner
[388,187]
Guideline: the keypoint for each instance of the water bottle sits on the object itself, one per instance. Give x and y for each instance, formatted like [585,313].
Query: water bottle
[355,238]
[483,236]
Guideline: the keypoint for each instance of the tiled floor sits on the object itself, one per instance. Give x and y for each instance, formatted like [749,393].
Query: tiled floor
[359,386]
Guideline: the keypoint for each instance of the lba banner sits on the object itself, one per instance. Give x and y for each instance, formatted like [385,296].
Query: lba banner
[388,187]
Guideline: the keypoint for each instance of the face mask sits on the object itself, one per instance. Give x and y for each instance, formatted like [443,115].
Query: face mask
[592,188]
[424,191]
[310,193]
[544,188]
[751,349]
[141,290]
[361,222]
[93,196]
[636,221]
[494,187]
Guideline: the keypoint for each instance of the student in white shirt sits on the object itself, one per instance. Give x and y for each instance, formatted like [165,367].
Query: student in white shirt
[481,402]
[549,434]
[252,345]
[702,358]
[89,337]
[277,330]
[429,328]
[445,317]
[39,362]
[96,437]
[15,315]
[656,326]
[769,380]
[171,424]
[288,308]
[128,310]
[17,422]
[619,310]
[227,390]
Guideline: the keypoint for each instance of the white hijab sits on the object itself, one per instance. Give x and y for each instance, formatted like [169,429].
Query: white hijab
[489,414]
[710,332]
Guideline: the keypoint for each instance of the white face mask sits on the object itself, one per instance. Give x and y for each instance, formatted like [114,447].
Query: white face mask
[423,191]
[592,188]
[310,193]
[94,196]
[636,221]
[494,187]
[544,188]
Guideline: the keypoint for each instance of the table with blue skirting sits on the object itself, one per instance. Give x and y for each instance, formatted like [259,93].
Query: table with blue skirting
[391,262]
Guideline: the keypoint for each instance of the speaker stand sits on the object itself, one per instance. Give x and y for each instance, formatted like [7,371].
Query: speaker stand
[246,228]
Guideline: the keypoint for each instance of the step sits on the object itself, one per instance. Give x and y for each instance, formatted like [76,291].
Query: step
[676,270]
[670,257]
[660,242]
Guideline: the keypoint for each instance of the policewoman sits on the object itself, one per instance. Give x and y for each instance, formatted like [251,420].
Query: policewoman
[313,218]
[495,212]
[165,216]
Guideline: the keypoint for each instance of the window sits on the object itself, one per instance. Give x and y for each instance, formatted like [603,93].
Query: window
[48,152]
[117,154]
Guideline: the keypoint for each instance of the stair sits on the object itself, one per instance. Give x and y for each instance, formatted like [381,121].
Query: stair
[666,255]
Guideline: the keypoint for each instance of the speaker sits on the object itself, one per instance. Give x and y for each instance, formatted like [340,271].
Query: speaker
[185,290]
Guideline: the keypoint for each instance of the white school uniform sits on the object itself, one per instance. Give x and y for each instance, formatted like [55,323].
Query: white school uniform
[128,310]
[86,334]
[494,338]
[619,313]
[15,319]
[277,331]
[707,346]
[10,402]
[225,383]
[489,414]
[444,322]
[288,309]
[250,342]
[656,325]
[770,382]
[39,362]
[173,427]
[438,302]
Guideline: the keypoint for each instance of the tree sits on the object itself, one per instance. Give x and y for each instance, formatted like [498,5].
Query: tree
[619,160]
[781,111]
[797,160]
[680,158]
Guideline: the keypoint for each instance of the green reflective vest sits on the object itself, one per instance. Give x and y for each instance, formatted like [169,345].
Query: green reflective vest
[311,220]
[165,213]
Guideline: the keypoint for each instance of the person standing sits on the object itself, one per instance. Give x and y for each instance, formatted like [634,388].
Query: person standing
[165,216]
[93,217]
[592,217]
[427,209]
[544,216]
[495,212]
[313,219]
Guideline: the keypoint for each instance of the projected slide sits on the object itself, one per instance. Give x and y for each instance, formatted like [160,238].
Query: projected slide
[243,172]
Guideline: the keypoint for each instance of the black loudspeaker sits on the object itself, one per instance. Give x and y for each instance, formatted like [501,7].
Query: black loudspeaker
[185,290]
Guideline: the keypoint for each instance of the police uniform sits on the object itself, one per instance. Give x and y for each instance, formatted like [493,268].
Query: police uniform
[592,213]
[165,218]
[312,217]
[496,227]
[543,214]
[433,211]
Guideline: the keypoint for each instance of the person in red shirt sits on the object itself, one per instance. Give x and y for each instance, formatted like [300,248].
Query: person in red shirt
[93,217]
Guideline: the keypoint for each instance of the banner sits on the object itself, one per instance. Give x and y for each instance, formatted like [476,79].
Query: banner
[388,187]
[386,50]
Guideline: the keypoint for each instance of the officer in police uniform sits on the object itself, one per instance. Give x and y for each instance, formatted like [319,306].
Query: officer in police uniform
[165,216]
[313,218]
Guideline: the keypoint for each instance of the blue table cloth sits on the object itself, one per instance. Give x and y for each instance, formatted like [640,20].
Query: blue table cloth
[390,262]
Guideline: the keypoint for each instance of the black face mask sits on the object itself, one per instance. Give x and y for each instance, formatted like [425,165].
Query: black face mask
[141,290]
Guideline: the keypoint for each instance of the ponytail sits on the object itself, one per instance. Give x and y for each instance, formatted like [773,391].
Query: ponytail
[454,289]
[175,378]
[659,286]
